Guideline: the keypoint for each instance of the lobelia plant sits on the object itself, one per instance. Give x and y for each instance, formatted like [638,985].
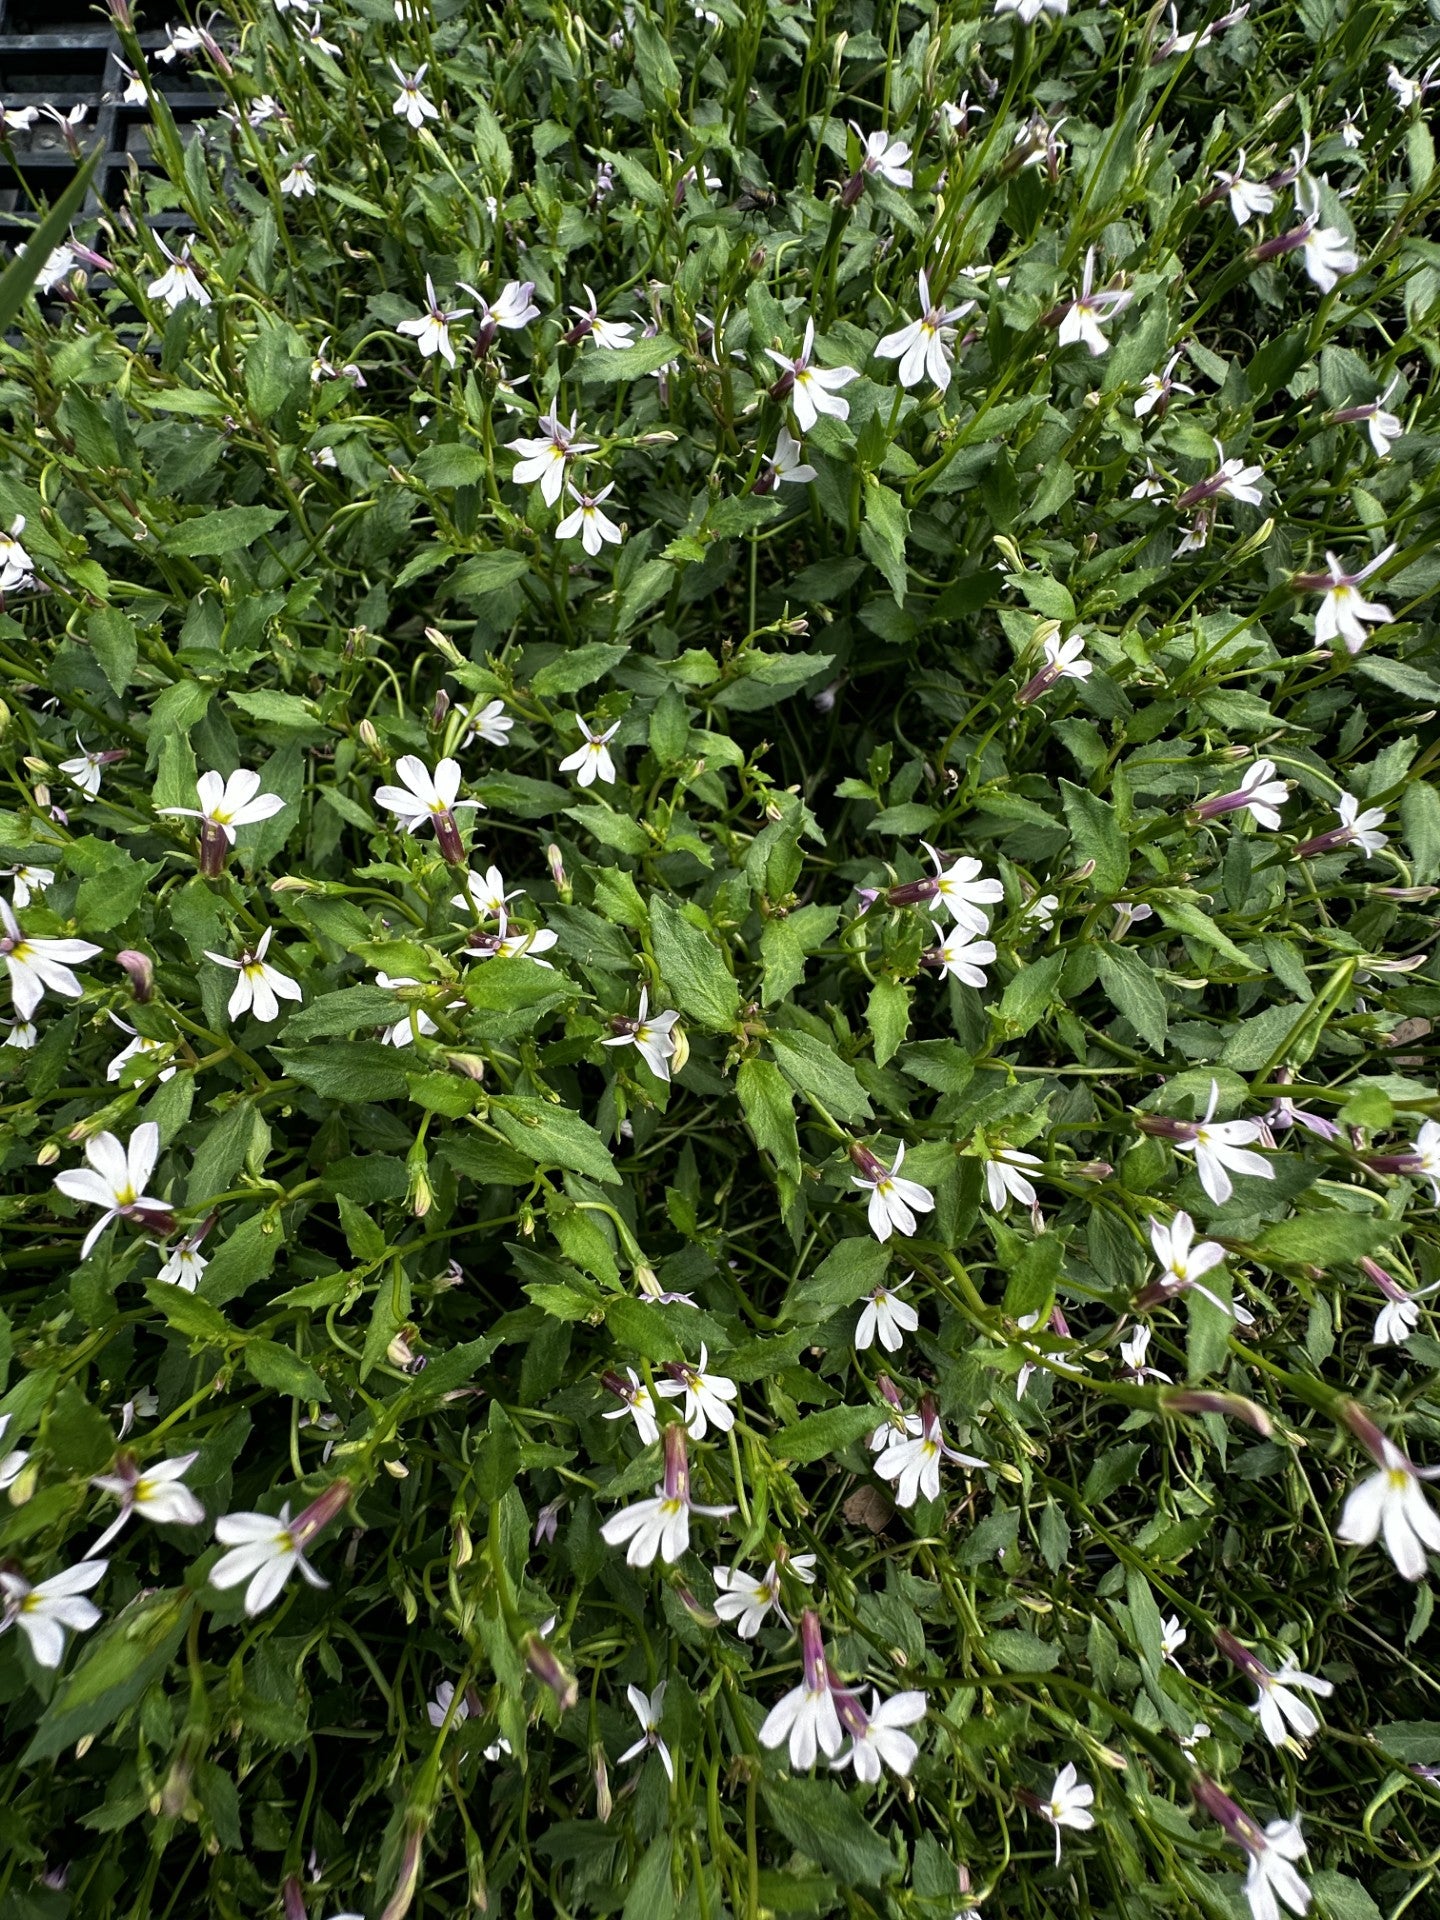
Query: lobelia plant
[772,906]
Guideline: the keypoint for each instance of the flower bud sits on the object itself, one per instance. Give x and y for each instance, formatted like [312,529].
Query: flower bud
[370,740]
[546,1668]
[22,1487]
[555,860]
[48,1154]
[604,1805]
[1233,1406]
[141,970]
[681,1053]
[443,644]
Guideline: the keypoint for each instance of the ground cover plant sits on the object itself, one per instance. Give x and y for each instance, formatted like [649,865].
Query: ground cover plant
[720,1113]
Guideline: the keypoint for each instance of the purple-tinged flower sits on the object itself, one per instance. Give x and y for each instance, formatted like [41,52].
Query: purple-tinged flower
[1091,311]
[660,1526]
[1357,828]
[1259,794]
[1345,614]
[806,1716]
[425,797]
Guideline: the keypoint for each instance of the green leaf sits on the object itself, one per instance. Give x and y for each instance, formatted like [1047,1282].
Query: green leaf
[343,1012]
[577,667]
[1325,1236]
[454,463]
[187,1313]
[882,536]
[1020,1652]
[604,366]
[1028,995]
[694,969]
[485,573]
[640,1327]
[818,1072]
[819,1435]
[285,1372]
[1133,991]
[114,644]
[1096,835]
[361,1070]
[847,1273]
[223,530]
[816,1817]
[769,1109]
[652,1892]
[888,1015]
[553,1136]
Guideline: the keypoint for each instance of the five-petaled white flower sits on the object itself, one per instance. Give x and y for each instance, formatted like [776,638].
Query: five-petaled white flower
[883,155]
[410,103]
[784,465]
[1156,388]
[431,330]
[186,1264]
[1004,1180]
[1184,1262]
[1259,794]
[661,1525]
[706,1395]
[1362,828]
[887,1317]
[913,1461]
[1064,660]
[611,334]
[426,796]
[636,1400]
[1247,197]
[806,1716]
[893,1202]
[438,1709]
[297,180]
[36,964]
[179,282]
[260,987]
[157,1493]
[1133,1352]
[1091,311]
[648,1709]
[46,1611]
[1069,1804]
[960,890]
[591,760]
[1277,1706]
[486,893]
[226,804]
[1345,614]
[1328,255]
[585,518]
[1271,1878]
[960,956]
[1392,1501]
[1172,1637]
[265,1548]
[1221,1147]
[544,460]
[923,347]
[650,1033]
[29,881]
[512,308]
[877,1737]
[492,725]
[811,390]
[740,1597]
[139,1044]
[115,1181]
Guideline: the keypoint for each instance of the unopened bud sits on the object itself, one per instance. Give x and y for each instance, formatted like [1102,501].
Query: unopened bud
[462,1551]
[397,1469]
[470,1064]
[292,883]
[48,1154]
[141,970]
[681,1049]
[370,739]
[443,644]
[546,1668]
[438,710]
[22,1487]
[604,1805]
[1233,1406]
[555,860]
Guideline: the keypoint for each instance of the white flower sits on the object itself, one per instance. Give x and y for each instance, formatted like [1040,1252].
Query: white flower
[1069,1805]
[1151,487]
[914,1463]
[1405,90]
[138,1046]
[431,330]
[785,464]
[29,881]
[15,567]
[883,154]
[1264,793]
[648,1709]
[1133,1352]
[11,1464]
[157,1493]
[116,1179]
[877,1741]
[585,518]
[36,965]
[297,180]
[226,804]
[1270,1878]
[423,797]
[960,956]
[1158,387]
[44,1612]
[636,1402]
[1247,197]
[179,282]
[22,1035]
[512,308]
[437,1709]
[746,1601]
[1328,255]
[1395,1323]
[812,390]
[1005,1182]
[1184,1262]
[1221,1147]
[1345,614]
[260,987]
[1064,660]
[1392,1500]
[543,460]
[492,725]
[806,1716]
[893,1202]
[960,888]
[1360,827]
[1276,1707]
[185,1264]
[610,334]
[516,945]
[314,35]
[416,1020]
[923,346]
[265,1551]
[1172,1637]
[1090,312]
[706,1396]
[649,1033]
[888,1316]
[486,893]
[410,103]
[1040,914]
[661,1525]
[1031,10]
[591,760]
